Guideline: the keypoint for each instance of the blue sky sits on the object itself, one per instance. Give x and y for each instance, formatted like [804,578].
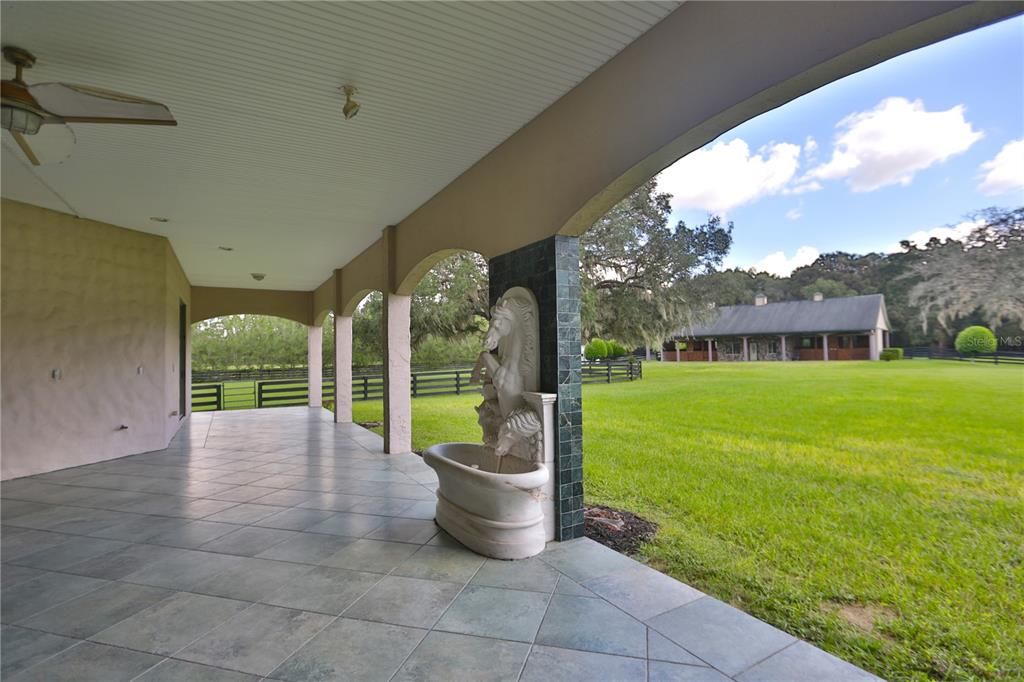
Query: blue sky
[890,153]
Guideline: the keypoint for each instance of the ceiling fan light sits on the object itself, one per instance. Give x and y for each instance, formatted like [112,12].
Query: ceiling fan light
[19,120]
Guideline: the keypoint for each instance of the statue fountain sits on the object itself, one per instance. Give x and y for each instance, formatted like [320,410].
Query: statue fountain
[492,497]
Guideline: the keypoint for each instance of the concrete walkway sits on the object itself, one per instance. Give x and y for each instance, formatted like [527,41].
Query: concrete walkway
[275,544]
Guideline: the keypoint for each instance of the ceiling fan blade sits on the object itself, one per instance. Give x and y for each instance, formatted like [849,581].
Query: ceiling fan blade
[85,104]
[25,149]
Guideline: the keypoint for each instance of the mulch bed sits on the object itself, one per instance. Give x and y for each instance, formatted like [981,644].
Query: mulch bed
[617,529]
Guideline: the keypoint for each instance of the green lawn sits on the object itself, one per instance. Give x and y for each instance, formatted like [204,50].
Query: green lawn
[875,509]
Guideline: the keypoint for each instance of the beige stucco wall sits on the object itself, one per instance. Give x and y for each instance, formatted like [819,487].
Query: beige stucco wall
[98,303]
[210,302]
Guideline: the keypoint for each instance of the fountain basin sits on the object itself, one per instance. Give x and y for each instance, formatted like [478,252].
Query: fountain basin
[490,504]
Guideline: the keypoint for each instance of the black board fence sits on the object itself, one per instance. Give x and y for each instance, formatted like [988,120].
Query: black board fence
[611,371]
[1002,357]
[237,390]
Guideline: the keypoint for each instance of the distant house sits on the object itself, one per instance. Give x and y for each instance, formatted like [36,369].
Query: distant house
[850,328]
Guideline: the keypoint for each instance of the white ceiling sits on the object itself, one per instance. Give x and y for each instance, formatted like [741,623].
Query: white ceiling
[262,159]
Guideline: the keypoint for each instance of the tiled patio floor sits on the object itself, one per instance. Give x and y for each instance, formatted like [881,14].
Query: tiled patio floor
[275,544]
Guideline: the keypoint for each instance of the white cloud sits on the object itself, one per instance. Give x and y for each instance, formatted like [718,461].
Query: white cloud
[726,175]
[890,143]
[778,264]
[922,237]
[794,214]
[802,187]
[1004,173]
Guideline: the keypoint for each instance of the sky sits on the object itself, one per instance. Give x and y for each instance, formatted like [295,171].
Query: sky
[904,150]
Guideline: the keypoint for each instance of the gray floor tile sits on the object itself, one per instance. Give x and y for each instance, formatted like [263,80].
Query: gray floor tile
[182,570]
[71,520]
[140,528]
[284,498]
[351,650]
[804,663]
[251,579]
[370,555]
[549,664]
[440,563]
[306,548]
[248,541]
[661,671]
[97,610]
[257,640]
[294,519]
[323,590]
[567,585]
[171,624]
[584,559]
[183,671]
[12,509]
[495,612]
[591,624]
[424,509]
[384,506]
[525,574]
[37,594]
[20,649]
[405,530]
[350,525]
[119,563]
[642,592]
[12,575]
[405,601]
[192,534]
[440,654]
[19,542]
[74,550]
[89,661]
[338,502]
[660,648]
[725,637]
[245,514]
[243,493]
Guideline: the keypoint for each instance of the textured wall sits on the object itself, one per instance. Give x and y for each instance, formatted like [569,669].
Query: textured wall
[98,303]
[551,270]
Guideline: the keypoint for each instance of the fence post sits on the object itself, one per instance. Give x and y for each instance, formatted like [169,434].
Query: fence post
[413,384]
[220,396]
[608,372]
[259,393]
[458,382]
[366,387]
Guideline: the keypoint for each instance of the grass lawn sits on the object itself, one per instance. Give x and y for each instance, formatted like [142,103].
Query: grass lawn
[875,509]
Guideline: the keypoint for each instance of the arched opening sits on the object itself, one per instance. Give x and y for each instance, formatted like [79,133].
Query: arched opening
[247,361]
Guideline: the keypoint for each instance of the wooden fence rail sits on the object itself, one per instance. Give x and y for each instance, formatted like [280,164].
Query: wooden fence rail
[228,392]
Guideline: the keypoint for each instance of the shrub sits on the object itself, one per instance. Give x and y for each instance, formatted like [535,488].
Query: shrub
[974,340]
[891,354]
[596,349]
[617,350]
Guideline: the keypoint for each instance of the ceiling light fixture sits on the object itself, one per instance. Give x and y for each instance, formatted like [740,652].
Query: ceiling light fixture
[159,219]
[258,276]
[21,112]
[351,107]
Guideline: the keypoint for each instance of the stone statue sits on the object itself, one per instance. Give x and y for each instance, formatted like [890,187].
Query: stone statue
[509,425]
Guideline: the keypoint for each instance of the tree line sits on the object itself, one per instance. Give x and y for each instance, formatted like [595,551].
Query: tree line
[643,280]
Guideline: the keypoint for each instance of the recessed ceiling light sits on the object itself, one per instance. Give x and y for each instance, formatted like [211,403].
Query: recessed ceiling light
[258,276]
[159,219]
[226,248]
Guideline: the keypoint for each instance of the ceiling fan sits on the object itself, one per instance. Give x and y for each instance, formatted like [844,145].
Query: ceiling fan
[26,108]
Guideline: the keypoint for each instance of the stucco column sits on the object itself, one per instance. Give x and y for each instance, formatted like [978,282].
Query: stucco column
[746,349]
[315,362]
[397,374]
[872,345]
[782,345]
[824,347]
[342,369]
[879,337]
[711,350]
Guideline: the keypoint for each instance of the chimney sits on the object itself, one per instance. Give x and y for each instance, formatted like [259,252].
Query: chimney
[760,299]
[818,296]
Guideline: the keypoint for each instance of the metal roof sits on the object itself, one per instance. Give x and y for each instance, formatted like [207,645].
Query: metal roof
[849,314]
